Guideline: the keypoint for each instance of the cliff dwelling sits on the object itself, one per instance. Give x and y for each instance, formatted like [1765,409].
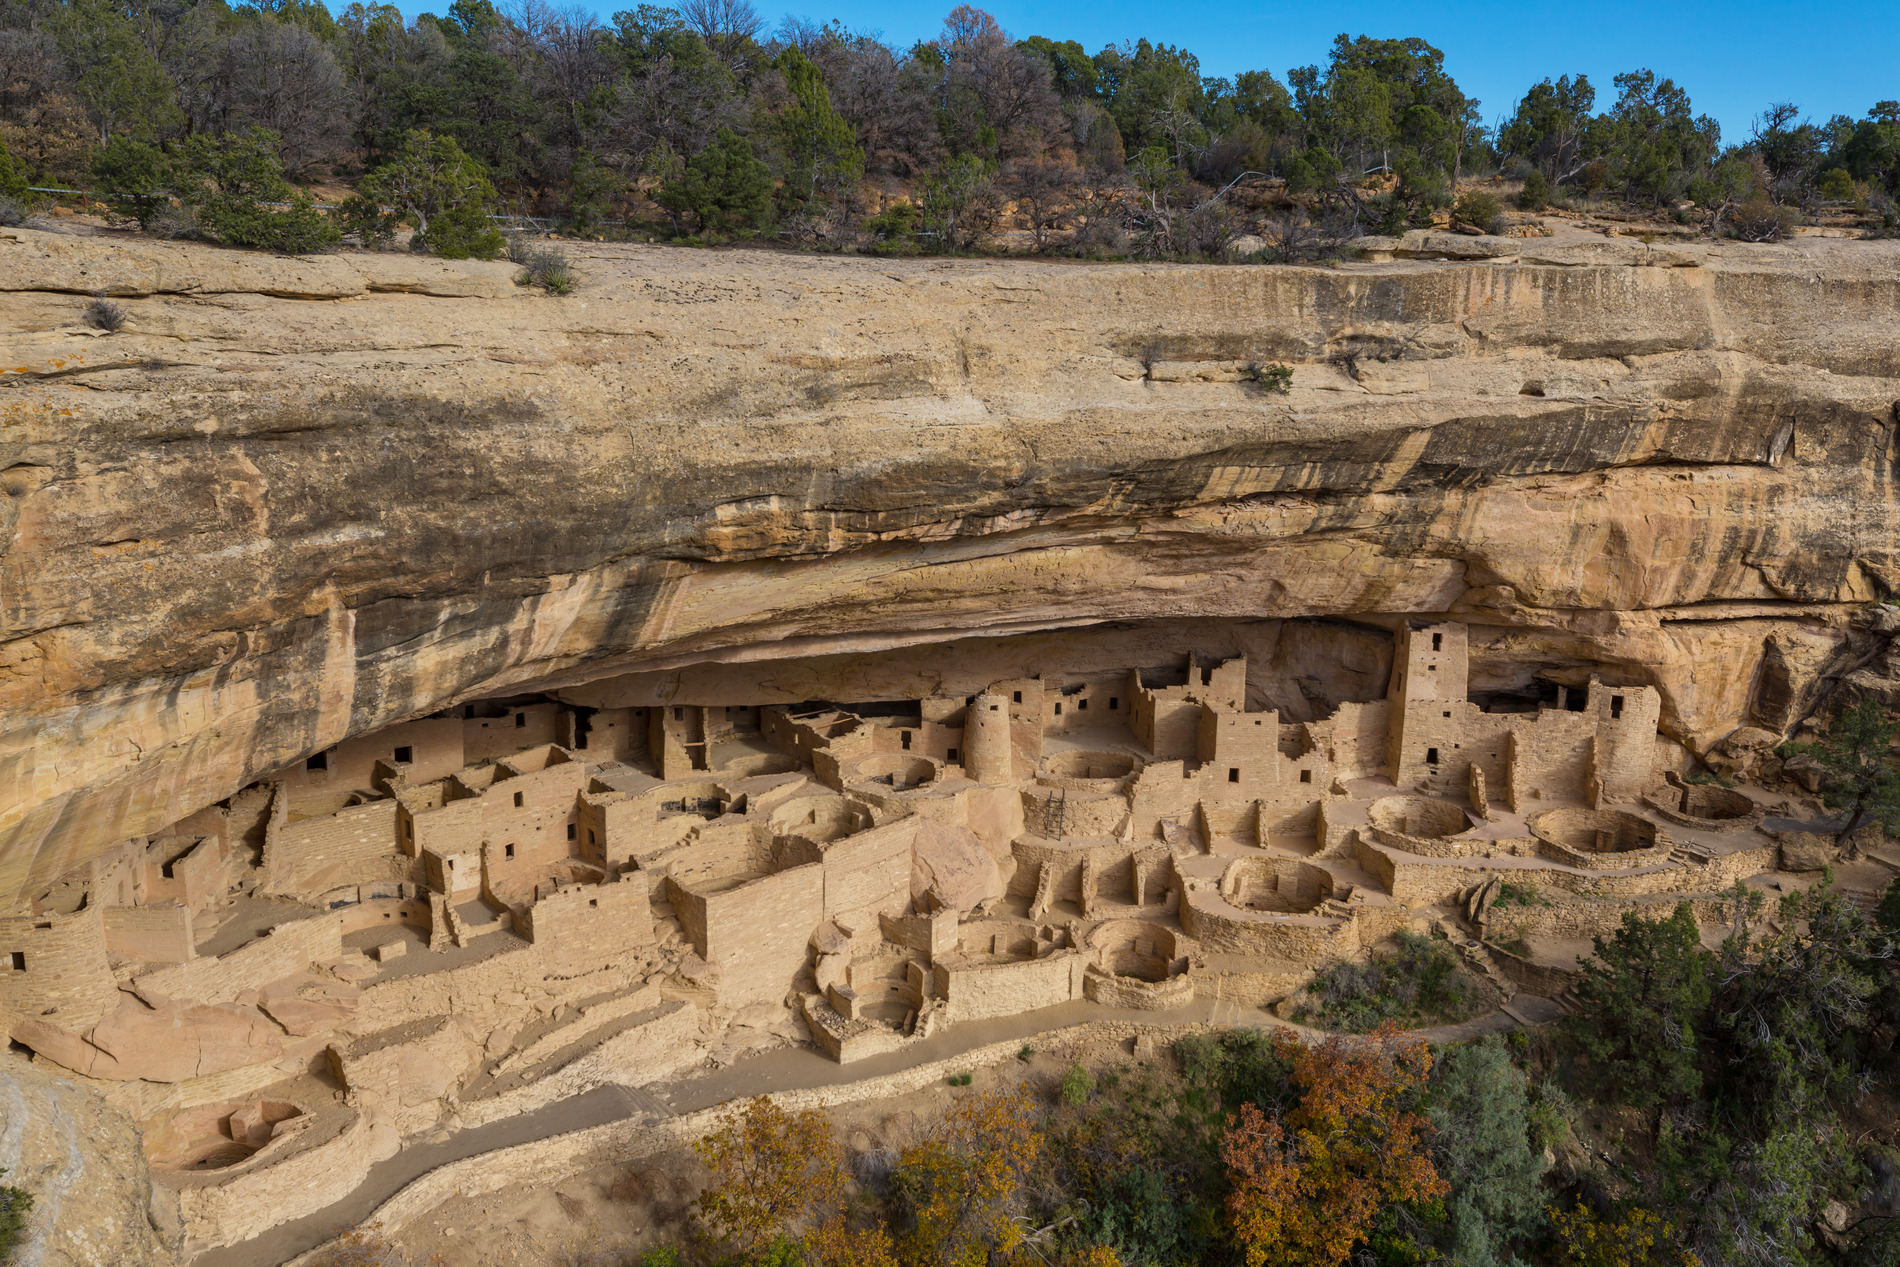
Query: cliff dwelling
[263,984]
[446,726]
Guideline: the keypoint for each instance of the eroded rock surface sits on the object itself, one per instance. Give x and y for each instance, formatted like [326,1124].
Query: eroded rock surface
[93,1195]
[298,500]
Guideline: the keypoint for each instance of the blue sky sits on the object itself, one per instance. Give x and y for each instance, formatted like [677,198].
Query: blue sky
[1830,56]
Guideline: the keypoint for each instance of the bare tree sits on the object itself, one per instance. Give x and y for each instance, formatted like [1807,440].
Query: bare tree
[715,20]
[1045,193]
[282,77]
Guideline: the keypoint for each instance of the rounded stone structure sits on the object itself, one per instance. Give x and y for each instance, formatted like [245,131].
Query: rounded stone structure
[1137,964]
[1599,839]
[1705,807]
[987,749]
[1424,817]
[1594,830]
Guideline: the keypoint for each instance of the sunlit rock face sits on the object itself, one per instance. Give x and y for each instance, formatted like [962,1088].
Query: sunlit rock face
[295,501]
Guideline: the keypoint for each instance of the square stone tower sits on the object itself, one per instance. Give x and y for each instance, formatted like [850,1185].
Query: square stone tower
[1430,668]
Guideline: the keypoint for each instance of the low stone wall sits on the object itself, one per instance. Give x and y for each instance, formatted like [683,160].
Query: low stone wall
[1209,919]
[551,1160]
[1529,977]
[1110,990]
[974,992]
[251,1204]
[282,952]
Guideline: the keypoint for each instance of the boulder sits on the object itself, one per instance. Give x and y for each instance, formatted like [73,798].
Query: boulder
[1807,851]
[950,867]
[1750,739]
[172,1043]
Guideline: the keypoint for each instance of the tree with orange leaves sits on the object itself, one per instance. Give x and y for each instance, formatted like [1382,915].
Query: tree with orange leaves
[1307,1186]
[962,1183]
[773,1173]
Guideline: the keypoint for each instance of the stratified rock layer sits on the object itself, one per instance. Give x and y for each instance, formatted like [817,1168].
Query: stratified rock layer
[298,500]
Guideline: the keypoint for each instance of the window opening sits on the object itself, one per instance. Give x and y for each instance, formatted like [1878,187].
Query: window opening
[318,761]
[1058,710]
[1019,697]
[19,961]
[1431,756]
[405,754]
[1081,703]
[1306,776]
[905,737]
[571,831]
[1438,641]
[1233,774]
[521,719]
[507,851]
[518,800]
[1616,706]
[1114,702]
[953,755]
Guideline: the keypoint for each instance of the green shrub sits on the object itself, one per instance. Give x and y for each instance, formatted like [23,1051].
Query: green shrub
[15,1205]
[1418,981]
[1077,1084]
[1535,194]
[661,1256]
[435,186]
[543,266]
[1026,1052]
[1520,894]
[1277,379]
[1835,185]
[137,178]
[232,181]
[13,179]
[1479,210]
[725,186]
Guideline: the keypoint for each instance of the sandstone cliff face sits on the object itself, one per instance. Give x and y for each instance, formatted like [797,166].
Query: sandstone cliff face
[298,500]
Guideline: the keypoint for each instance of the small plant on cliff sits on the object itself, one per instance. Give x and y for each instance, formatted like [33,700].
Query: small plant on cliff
[1479,210]
[543,266]
[1077,1084]
[1276,379]
[15,1205]
[103,314]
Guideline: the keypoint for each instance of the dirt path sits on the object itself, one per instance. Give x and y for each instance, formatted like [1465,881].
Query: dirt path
[785,1069]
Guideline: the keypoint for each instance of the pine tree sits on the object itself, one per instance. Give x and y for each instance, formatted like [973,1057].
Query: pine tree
[823,159]
[723,186]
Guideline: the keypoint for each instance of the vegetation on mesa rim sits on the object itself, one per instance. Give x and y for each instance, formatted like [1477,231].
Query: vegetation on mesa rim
[696,118]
